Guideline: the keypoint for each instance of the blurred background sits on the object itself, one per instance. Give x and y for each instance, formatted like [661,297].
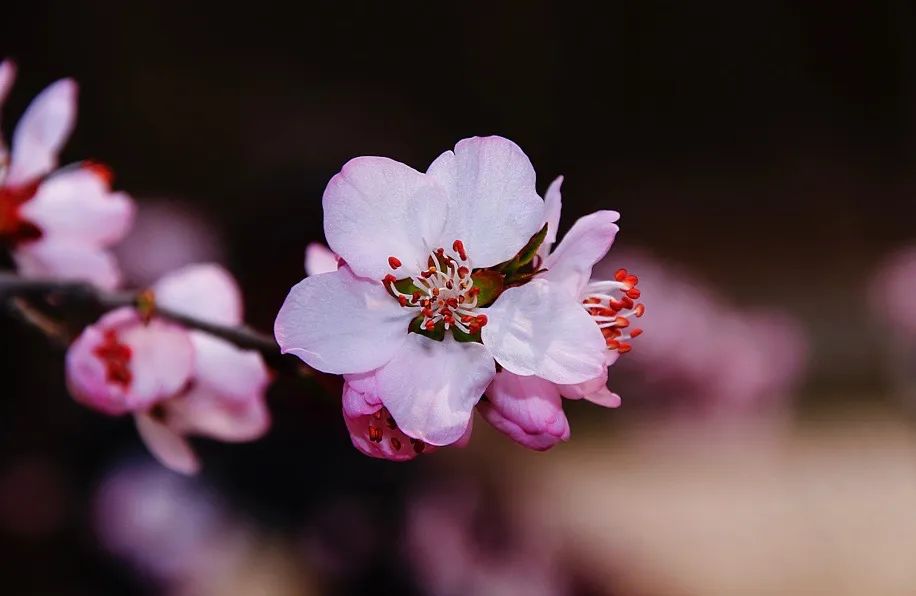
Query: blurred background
[763,158]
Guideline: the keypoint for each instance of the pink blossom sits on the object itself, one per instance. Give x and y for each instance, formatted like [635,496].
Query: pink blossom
[169,528]
[457,542]
[475,208]
[528,407]
[58,224]
[176,382]
[120,364]
[892,289]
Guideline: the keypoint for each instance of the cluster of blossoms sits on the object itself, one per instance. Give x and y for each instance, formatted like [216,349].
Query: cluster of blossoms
[174,381]
[443,287]
[450,547]
[444,293]
[61,224]
[891,290]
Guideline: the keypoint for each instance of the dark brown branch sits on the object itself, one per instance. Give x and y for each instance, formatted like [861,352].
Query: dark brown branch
[21,293]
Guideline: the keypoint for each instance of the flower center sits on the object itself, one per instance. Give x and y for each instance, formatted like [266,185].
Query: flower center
[612,304]
[444,291]
[14,229]
[116,357]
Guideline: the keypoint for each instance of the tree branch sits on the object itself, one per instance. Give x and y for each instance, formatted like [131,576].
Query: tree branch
[21,292]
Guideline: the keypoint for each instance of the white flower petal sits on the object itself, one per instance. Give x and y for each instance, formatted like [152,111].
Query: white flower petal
[431,387]
[586,243]
[77,205]
[339,323]
[60,259]
[42,131]
[205,291]
[537,329]
[7,78]
[553,205]
[319,259]
[377,208]
[162,359]
[171,449]
[494,208]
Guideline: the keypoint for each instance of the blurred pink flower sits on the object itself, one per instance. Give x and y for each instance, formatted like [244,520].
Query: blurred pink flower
[176,382]
[122,364]
[166,236]
[893,288]
[457,543]
[383,216]
[170,528]
[708,355]
[58,224]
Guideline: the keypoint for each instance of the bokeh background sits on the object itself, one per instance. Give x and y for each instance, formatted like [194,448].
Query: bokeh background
[763,158]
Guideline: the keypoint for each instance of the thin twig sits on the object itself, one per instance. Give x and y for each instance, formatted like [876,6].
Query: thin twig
[20,292]
[34,317]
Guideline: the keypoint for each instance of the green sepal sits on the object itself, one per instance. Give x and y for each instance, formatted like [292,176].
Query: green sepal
[490,283]
[416,326]
[526,255]
[406,286]
[522,278]
[463,337]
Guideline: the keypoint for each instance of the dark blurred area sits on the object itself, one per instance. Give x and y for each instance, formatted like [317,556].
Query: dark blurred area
[767,149]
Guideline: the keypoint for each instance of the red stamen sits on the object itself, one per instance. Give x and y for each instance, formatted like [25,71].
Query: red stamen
[116,356]
[394,262]
[618,312]
[100,170]
[458,247]
[375,434]
[14,229]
